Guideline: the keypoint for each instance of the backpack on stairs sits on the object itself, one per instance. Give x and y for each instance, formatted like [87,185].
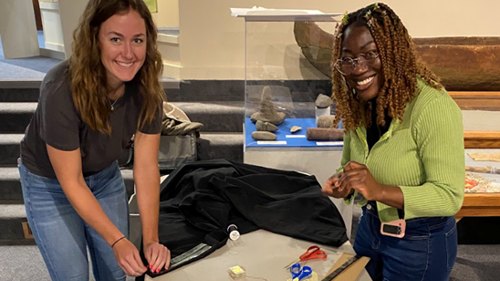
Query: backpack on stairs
[178,141]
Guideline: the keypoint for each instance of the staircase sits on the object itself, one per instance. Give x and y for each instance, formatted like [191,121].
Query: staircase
[216,104]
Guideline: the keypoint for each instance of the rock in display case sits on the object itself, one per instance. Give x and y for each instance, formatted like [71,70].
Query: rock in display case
[286,97]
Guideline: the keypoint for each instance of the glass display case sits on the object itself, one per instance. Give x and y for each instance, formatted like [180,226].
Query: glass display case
[282,86]
[285,59]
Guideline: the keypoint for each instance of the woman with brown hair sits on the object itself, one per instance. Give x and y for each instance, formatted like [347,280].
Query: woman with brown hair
[403,153]
[89,108]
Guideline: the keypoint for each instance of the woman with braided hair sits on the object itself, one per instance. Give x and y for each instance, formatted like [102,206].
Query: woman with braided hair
[403,156]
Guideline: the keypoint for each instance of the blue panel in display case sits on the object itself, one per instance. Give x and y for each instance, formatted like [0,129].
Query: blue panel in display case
[285,137]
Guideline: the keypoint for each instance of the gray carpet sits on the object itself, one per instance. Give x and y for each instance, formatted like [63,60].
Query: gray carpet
[11,72]
[26,68]
[25,263]
[34,64]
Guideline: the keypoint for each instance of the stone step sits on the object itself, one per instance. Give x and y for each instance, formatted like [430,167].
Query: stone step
[11,191]
[19,95]
[211,146]
[9,149]
[216,116]
[27,90]
[15,116]
[222,116]
[15,229]
[221,146]
[10,186]
[207,90]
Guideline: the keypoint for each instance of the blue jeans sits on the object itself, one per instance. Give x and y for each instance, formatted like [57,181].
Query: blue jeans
[426,253]
[63,236]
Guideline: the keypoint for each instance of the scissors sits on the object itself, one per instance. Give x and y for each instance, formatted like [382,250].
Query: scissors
[312,253]
[299,273]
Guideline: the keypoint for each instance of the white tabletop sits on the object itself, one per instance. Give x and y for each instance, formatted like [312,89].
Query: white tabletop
[263,254]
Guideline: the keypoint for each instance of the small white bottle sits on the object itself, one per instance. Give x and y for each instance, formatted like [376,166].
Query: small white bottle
[232,229]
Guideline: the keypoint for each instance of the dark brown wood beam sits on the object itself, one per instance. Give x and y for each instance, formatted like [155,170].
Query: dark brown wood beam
[477,100]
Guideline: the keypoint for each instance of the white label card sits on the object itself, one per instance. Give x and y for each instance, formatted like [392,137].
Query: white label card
[329,143]
[271,142]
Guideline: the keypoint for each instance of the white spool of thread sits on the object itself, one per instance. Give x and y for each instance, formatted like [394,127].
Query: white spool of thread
[232,229]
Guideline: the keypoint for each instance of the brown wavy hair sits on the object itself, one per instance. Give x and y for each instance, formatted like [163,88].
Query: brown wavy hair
[400,68]
[88,75]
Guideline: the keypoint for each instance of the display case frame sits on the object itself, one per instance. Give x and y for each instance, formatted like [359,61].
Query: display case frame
[481,134]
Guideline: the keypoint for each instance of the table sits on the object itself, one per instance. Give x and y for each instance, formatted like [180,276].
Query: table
[262,253]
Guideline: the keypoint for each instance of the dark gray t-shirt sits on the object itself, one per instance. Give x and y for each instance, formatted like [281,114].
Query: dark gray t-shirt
[57,123]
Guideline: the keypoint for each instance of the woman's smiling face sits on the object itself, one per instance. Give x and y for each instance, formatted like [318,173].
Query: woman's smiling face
[122,38]
[366,77]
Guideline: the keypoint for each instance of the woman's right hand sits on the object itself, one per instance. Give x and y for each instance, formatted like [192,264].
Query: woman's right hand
[128,258]
[333,188]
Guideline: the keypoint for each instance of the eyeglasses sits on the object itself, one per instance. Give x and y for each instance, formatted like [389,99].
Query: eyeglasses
[346,65]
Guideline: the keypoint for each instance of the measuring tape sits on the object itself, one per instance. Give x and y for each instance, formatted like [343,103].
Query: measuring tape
[339,270]
[189,255]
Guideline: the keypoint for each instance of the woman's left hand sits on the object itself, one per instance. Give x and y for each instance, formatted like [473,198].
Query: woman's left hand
[158,256]
[358,177]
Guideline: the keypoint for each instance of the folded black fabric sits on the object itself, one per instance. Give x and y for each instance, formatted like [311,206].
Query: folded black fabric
[199,200]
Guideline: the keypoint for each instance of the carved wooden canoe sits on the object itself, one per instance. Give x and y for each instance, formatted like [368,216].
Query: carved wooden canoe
[463,63]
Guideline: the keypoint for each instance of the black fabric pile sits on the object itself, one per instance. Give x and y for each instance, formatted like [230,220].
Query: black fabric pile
[198,201]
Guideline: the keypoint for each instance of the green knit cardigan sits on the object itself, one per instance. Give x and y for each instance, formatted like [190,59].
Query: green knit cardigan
[423,155]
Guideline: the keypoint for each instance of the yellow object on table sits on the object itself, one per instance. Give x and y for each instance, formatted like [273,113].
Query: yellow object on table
[236,272]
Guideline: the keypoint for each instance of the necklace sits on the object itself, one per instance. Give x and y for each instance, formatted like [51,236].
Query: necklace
[114,92]
[113,104]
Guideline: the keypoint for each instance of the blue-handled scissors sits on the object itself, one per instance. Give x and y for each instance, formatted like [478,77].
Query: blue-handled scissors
[299,273]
